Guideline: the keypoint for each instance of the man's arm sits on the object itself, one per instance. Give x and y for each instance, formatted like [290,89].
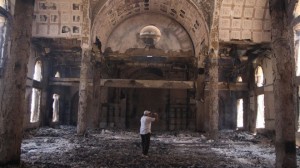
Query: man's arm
[155,115]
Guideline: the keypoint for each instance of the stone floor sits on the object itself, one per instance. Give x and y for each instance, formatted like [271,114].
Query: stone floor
[62,148]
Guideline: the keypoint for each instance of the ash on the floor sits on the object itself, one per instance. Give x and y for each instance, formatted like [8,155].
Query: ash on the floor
[62,148]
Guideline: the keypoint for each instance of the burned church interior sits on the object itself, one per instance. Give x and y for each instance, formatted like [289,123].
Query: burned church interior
[77,75]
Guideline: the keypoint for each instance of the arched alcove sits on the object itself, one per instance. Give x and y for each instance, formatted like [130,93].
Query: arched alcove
[127,34]
[110,16]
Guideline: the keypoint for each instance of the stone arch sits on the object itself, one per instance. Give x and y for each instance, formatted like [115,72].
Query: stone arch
[185,13]
[173,36]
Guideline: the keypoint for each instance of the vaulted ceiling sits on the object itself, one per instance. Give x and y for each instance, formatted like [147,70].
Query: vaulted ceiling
[245,20]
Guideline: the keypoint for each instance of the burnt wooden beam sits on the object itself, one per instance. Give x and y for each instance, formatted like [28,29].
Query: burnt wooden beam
[127,83]
[230,86]
[161,84]
[64,81]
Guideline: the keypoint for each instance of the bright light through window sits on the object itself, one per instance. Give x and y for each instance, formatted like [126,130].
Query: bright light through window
[260,121]
[35,105]
[57,75]
[259,77]
[298,56]
[3,3]
[55,107]
[240,113]
[38,71]
[297,10]
[239,79]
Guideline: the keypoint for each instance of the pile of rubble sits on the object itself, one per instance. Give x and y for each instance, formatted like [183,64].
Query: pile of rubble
[62,148]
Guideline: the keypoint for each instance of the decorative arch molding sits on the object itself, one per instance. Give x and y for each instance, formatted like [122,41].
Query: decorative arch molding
[185,12]
[127,34]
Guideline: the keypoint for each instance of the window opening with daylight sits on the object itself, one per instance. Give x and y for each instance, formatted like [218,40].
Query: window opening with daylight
[55,107]
[297,55]
[298,129]
[35,105]
[57,75]
[239,79]
[240,113]
[4,15]
[38,71]
[259,77]
[260,121]
[36,94]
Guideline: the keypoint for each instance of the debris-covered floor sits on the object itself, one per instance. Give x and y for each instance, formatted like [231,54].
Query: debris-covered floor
[62,148]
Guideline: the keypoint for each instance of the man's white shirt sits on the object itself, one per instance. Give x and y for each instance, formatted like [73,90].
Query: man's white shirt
[146,124]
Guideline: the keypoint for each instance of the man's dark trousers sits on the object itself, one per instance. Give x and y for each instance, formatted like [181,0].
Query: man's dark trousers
[145,142]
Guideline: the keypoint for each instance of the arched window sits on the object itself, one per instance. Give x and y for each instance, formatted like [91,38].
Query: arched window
[239,79]
[38,71]
[260,119]
[57,75]
[259,76]
[36,94]
[240,113]
[297,50]
[298,129]
[297,55]
[259,80]
[3,4]
[55,107]
[35,105]
[5,19]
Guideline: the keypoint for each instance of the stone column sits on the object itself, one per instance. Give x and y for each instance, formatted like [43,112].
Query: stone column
[213,98]
[246,107]
[213,70]
[249,102]
[200,113]
[284,84]
[253,112]
[96,100]
[84,71]
[45,99]
[83,92]
[13,82]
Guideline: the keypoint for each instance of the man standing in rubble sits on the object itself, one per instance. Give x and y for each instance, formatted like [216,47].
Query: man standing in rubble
[145,129]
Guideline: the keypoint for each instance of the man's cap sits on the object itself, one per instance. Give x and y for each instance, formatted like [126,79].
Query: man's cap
[146,112]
